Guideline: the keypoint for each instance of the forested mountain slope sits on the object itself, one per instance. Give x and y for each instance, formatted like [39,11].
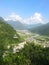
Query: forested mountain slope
[7,33]
[43,29]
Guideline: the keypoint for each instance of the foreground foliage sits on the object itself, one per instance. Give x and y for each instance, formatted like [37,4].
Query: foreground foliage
[30,55]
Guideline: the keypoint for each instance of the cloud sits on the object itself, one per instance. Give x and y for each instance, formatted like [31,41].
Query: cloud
[13,17]
[36,18]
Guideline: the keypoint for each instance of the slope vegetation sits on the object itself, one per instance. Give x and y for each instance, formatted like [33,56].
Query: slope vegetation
[7,33]
[43,29]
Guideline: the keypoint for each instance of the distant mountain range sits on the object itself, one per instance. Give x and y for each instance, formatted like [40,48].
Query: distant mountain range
[18,25]
[42,29]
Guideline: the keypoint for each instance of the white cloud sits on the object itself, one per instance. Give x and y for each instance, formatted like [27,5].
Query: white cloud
[36,18]
[13,17]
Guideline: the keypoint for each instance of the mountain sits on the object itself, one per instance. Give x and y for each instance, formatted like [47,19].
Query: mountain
[16,24]
[42,30]
[7,33]
[21,26]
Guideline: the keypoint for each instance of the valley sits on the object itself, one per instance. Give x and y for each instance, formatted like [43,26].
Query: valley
[17,46]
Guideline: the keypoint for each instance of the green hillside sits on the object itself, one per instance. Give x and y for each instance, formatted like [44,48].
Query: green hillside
[42,30]
[7,33]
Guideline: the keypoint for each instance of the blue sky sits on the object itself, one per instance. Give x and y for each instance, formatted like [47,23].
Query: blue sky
[24,8]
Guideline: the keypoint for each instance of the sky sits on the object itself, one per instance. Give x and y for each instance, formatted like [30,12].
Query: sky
[27,11]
